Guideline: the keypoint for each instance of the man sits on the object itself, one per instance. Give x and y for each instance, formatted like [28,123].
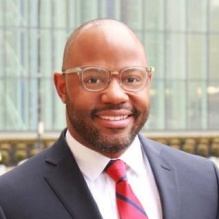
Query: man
[105,85]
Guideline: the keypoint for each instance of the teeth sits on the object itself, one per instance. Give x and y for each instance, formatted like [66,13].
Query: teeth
[113,118]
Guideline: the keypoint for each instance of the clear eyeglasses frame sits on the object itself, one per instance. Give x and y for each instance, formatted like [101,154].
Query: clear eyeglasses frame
[95,78]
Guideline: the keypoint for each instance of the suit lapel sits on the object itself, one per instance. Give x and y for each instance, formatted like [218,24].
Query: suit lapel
[68,184]
[165,176]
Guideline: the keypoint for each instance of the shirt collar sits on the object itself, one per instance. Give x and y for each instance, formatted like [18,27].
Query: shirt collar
[92,163]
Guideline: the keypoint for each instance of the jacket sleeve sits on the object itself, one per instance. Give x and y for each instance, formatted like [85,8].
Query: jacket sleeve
[2,215]
[217,176]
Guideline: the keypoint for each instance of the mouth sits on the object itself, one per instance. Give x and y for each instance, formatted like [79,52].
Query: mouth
[114,118]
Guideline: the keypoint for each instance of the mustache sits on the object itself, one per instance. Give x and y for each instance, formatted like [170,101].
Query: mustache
[133,110]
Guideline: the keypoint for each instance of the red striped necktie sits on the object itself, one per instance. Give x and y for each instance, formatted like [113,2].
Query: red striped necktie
[128,205]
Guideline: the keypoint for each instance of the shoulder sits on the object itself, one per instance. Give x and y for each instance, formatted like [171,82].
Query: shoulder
[36,166]
[176,158]
[156,147]
[20,174]
[188,171]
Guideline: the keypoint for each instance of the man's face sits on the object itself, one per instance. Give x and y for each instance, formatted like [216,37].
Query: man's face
[106,121]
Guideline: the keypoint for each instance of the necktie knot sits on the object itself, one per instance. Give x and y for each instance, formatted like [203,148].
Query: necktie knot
[116,169]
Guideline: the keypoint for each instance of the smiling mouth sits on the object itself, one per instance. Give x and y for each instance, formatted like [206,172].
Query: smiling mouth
[114,118]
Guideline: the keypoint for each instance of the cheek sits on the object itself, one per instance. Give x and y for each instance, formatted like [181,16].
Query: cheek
[142,100]
[81,100]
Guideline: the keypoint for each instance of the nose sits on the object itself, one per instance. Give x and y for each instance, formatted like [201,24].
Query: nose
[114,94]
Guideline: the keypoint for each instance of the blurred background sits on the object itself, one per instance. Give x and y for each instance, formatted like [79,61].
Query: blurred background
[181,38]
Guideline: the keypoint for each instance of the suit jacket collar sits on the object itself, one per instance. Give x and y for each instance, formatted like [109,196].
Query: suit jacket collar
[67,182]
[165,177]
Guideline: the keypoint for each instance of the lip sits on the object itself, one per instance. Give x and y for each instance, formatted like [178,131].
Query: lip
[114,119]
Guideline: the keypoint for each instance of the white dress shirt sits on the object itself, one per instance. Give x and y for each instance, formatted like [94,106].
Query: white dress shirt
[102,187]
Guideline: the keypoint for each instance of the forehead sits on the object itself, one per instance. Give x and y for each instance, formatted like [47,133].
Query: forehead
[105,40]
[105,33]
[104,25]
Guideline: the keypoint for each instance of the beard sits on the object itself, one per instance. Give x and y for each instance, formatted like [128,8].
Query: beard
[81,123]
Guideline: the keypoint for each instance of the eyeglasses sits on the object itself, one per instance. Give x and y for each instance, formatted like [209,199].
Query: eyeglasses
[97,78]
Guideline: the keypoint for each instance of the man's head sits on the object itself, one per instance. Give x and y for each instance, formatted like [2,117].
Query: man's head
[107,103]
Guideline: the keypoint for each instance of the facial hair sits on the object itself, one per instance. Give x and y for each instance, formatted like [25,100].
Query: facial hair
[81,122]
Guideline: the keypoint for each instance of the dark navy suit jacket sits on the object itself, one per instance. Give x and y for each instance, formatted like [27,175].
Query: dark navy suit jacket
[51,186]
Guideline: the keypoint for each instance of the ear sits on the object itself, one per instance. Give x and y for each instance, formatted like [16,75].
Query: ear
[150,77]
[59,81]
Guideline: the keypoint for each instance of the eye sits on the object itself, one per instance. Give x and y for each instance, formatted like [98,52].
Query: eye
[93,80]
[131,79]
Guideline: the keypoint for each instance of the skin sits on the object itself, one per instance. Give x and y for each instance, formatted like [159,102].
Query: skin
[105,121]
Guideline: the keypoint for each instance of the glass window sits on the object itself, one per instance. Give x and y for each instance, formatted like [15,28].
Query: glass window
[47,92]
[17,113]
[197,56]
[2,15]
[154,46]
[175,56]
[213,101]
[45,51]
[197,105]
[59,14]
[3,99]
[108,8]
[197,15]
[156,119]
[180,38]
[45,10]
[175,15]
[214,56]
[175,105]
[58,43]
[87,10]
[214,15]
[11,12]
[131,13]
[154,15]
